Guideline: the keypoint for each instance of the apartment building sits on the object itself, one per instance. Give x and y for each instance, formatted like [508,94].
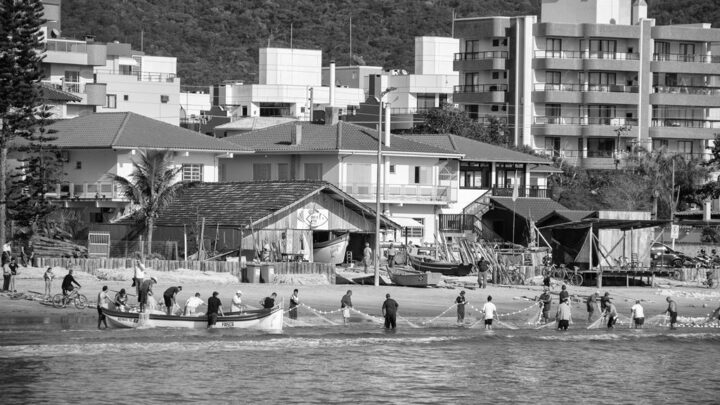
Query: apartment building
[108,77]
[591,79]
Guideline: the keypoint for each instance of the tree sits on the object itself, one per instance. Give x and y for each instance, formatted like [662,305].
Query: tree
[150,187]
[451,120]
[20,74]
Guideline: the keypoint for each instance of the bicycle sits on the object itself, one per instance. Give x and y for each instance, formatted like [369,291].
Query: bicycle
[80,301]
[562,273]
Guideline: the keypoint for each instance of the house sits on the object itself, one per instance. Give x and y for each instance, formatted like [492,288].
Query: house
[108,77]
[94,145]
[586,82]
[417,178]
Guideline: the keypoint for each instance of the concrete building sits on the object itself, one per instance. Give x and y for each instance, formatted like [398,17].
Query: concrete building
[591,79]
[289,86]
[108,77]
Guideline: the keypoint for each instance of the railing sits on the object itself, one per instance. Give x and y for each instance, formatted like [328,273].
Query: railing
[60,45]
[142,76]
[456,222]
[86,191]
[481,55]
[529,191]
[604,88]
[615,121]
[685,123]
[410,110]
[543,54]
[70,87]
[623,154]
[480,88]
[399,192]
[675,57]
[695,90]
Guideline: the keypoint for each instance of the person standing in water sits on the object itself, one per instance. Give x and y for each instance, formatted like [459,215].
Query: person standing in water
[563,315]
[610,313]
[389,311]
[489,311]
[672,311]
[637,314]
[214,307]
[345,305]
[546,301]
[294,303]
[103,301]
[460,302]
[592,304]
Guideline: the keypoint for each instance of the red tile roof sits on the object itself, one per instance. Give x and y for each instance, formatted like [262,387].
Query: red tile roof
[475,150]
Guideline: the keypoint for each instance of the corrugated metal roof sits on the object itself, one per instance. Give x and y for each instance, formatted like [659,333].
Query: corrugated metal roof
[530,208]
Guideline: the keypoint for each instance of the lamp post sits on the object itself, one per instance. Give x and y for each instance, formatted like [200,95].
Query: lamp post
[377,181]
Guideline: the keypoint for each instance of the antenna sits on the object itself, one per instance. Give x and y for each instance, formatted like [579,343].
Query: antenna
[291,35]
[142,40]
[452,26]
[351,54]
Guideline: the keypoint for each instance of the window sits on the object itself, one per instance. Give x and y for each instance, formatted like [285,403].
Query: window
[552,145]
[313,171]
[283,171]
[72,81]
[472,110]
[505,74]
[495,42]
[553,47]
[601,114]
[416,175]
[600,147]
[601,81]
[494,107]
[261,171]
[495,75]
[415,232]
[392,169]
[603,48]
[78,165]
[471,82]
[472,46]
[685,147]
[110,101]
[425,100]
[126,97]
[552,80]
[192,172]
[662,50]
[688,52]
[164,99]
[475,174]
[507,173]
[660,144]
[553,113]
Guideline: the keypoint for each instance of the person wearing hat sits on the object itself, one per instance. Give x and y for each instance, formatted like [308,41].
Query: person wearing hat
[637,314]
[460,302]
[610,313]
[604,300]
[389,311]
[294,302]
[546,301]
[592,304]
[237,302]
[145,291]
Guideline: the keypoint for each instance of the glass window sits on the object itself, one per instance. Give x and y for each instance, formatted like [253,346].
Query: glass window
[72,81]
[600,147]
[553,47]
[283,171]
[506,174]
[425,100]
[313,171]
[415,232]
[110,101]
[685,147]
[261,171]
[475,175]
[192,172]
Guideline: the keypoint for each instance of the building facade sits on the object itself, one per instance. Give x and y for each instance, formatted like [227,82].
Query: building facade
[592,79]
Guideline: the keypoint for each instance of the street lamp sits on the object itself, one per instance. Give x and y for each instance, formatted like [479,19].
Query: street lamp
[377,180]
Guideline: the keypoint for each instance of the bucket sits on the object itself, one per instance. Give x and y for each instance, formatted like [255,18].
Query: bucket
[252,273]
[267,274]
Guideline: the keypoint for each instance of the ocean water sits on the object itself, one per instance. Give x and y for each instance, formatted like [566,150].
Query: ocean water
[66,360]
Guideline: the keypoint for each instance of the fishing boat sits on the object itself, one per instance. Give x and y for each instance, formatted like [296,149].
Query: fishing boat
[260,319]
[331,251]
[425,264]
[414,278]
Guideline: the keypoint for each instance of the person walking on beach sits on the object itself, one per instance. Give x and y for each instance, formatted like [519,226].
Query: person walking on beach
[391,253]
[345,305]
[483,268]
[563,315]
[48,277]
[546,301]
[121,300]
[236,304]
[214,306]
[145,291]
[67,284]
[103,301]
[367,256]
[294,303]
[592,304]
[192,304]
[637,314]
[489,312]
[138,277]
[269,302]
[672,311]
[460,302]
[610,313]
[389,311]
[13,266]
[170,297]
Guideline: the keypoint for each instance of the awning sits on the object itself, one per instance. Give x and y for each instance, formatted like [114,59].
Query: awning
[601,223]
[406,222]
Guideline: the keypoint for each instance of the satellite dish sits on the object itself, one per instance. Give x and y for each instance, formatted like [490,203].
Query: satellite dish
[54,33]
[404,72]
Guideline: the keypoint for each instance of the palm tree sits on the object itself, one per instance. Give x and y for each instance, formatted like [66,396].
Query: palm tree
[150,187]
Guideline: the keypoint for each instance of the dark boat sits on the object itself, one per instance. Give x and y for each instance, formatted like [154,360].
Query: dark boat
[424,264]
[414,278]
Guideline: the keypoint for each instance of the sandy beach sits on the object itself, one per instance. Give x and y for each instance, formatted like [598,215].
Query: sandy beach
[418,304]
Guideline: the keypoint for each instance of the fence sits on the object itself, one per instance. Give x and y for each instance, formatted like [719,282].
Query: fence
[91,265]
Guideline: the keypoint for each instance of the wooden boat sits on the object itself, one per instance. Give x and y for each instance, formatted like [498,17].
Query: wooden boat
[331,251]
[260,319]
[425,264]
[414,278]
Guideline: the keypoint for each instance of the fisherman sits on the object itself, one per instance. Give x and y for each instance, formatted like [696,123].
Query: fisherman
[391,253]
[604,301]
[192,304]
[672,311]
[170,296]
[483,268]
[367,256]
[389,311]
[610,313]
[489,311]
[294,303]
[546,301]
[269,302]
[592,304]
[121,300]
[460,302]
[214,306]
[345,305]
[637,314]
[138,277]
[145,291]
[563,315]
[102,302]
[236,305]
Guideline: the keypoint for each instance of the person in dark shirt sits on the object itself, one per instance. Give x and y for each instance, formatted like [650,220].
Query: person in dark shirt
[389,311]
[460,301]
[269,302]
[546,301]
[345,305]
[604,301]
[68,281]
[214,306]
[564,294]
[169,297]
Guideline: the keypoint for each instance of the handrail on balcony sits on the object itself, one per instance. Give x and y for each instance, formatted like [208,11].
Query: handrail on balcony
[694,90]
[399,192]
[685,123]
[560,120]
[604,88]
[545,54]
[456,222]
[102,190]
[523,191]
[676,57]
[141,76]
[64,45]
[480,88]
[481,55]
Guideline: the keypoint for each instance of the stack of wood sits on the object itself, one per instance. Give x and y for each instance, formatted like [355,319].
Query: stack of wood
[48,247]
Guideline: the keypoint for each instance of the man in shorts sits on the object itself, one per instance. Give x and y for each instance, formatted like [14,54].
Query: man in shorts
[592,304]
[610,313]
[192,304]
[170,296]
[460,301]
[637,314]
[345,305]
[389,311]
[672,311]
[489,312]
[546,301]
[214,306]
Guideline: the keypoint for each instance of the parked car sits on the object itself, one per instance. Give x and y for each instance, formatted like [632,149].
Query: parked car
[664,256]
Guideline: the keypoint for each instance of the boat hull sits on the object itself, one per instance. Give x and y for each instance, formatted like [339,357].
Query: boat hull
[257,320]
[419,279]
[332,251]
[444,268]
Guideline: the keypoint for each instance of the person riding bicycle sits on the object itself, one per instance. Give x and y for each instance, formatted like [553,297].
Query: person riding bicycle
[67,284]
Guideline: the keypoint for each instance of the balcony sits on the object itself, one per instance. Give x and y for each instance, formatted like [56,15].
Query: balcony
[456,222]
[529,191]
[582,126]
[683,128]
[702,96]
[586,60]
[401,193]
[682,63]
[155,77]
[480,93]
[100,191]
[480,61]
[579,93]
[674,57]
[74,52]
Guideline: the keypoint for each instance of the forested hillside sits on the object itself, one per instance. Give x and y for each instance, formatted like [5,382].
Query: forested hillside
[217,40]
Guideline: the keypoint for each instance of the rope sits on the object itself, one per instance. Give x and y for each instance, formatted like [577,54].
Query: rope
[412,325]
[371,317]
[441,314]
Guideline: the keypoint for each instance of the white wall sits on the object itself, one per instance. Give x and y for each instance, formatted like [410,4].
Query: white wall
[586,11]
[240,168]
[208,160]
[290,66]
[426,212]
[193,103]
[144,97]
[435,55]
[156,64]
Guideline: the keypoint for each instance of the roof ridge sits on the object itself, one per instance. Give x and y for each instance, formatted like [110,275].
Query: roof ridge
[452,142]
[121,129]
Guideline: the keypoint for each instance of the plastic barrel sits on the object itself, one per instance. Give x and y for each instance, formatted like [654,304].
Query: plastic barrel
[253,273]
[267,274]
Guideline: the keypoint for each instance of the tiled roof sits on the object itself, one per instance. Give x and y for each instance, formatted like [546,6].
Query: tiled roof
[254,123]
[53,94]
[530,208]
[240,204]
[126,130]
[330,138]
[476,150]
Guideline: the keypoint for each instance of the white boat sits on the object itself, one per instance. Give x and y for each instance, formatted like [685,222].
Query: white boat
[261,319]
[331,251]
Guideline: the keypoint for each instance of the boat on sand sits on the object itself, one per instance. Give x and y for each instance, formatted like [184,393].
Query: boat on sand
[331,251]
[256,319]
[425,264]
[414,278]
